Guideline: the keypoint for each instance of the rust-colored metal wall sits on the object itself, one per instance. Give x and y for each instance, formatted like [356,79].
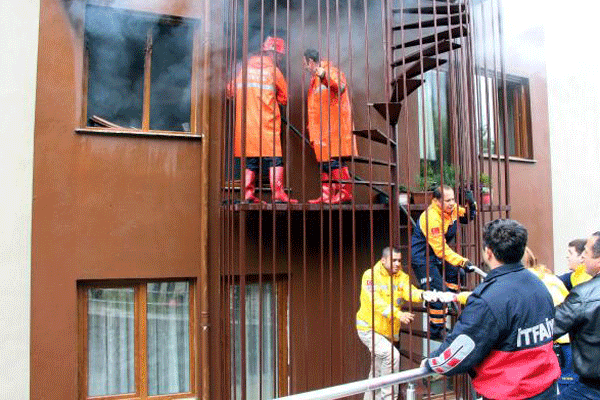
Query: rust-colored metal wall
[105,207]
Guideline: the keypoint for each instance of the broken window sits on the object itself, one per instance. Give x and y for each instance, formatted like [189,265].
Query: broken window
[139,70]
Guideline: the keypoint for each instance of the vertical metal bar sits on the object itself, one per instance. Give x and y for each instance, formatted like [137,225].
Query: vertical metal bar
[503,75]
[147,81]
[305,336]
[290,355]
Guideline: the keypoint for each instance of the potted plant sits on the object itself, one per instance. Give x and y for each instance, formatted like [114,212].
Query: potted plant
[423,192]
[485,187]
[426,183]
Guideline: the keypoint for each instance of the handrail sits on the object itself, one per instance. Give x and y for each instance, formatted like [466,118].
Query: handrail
[479,271]
[348,389]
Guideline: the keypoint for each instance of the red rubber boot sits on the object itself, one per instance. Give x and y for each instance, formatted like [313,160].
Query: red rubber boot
[327,190]
[344,194]
[276,178]
[249,196]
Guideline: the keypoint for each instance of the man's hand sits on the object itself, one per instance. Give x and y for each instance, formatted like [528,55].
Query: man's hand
[320,72]
[468,266]
[405,317]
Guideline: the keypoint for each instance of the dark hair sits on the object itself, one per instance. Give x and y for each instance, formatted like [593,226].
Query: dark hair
[596,246]
[439,191]
[579,245]
[386,251]
[312,54]
[506,239]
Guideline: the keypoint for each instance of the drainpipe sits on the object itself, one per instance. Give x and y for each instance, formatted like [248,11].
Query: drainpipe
[204,177]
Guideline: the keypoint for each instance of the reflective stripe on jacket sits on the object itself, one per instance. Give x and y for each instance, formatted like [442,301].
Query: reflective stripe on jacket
[329,115]
[436,229]
[266,90]
[382,295]
[503,337]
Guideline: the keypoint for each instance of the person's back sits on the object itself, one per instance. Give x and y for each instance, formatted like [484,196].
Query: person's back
[503,337]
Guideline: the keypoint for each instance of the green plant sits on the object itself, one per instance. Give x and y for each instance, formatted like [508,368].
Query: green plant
[433,177]
[485,180]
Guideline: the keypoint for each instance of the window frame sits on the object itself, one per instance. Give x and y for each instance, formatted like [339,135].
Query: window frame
[281,288]
[140,338]
[516,88]
[144,131]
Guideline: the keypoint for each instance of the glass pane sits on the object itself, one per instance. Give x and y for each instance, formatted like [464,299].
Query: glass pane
[170,99]
[115,41]
[261,346]
[110,341]
[433,117]
[168,338]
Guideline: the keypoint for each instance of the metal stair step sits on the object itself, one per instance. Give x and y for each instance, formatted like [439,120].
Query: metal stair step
[363,182]
[432,23]
[434,49]
[398,88]
[444,9]
[389,109]
[375,135]
[420,67]
[437,37]
[364,160]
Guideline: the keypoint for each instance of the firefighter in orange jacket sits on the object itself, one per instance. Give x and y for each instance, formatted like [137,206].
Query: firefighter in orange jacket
[378,320]
[435,264]
[329,127]
[266,90]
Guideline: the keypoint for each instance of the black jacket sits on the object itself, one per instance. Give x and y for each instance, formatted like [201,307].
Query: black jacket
[579,315]
[503,337]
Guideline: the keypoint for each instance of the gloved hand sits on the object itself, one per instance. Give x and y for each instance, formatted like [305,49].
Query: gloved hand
[468,266]
[429,296]
[446,297]
[470,199]
[388,311]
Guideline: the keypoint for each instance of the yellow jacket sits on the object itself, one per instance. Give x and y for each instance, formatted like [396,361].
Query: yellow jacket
[380,304]
[580,275]
[557,290]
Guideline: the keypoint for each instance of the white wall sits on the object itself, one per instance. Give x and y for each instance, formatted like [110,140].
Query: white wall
[19,25]
[573,66]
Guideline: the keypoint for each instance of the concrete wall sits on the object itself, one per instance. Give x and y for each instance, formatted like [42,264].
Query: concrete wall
[574,111]
[18,65]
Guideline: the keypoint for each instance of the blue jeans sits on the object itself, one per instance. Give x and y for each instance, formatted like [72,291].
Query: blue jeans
[579,391]
[567,375]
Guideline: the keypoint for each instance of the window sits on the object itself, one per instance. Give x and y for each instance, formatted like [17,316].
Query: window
[516,112]
[433,118]
[139,70]
[266,326]
[136,339]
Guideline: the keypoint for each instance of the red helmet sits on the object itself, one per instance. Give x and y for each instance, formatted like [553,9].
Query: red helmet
[274,44]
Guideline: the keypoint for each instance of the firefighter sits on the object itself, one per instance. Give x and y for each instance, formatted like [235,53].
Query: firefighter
[266,90]
[503,337]
[378,320]
[329,127]
[436,227]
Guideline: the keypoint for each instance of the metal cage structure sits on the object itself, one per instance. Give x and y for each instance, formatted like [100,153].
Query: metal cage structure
[430,104]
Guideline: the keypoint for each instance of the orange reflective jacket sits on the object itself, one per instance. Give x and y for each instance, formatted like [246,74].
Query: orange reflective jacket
[266,90]
[329,115]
